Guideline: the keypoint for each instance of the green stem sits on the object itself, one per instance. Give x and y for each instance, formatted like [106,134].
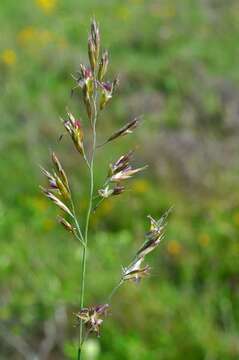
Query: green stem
[98,204]
[115,289]
[84,254]
[80,237]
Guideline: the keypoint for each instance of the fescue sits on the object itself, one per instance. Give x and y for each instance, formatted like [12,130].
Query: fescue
[97,92]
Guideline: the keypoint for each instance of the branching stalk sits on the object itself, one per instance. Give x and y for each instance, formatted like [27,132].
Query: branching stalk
[80,237]
[97,92]
[84,253]
[115,289]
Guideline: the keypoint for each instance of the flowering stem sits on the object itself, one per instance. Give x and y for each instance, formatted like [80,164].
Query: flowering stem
[98,204]
[115,289]
[80,236]
[84,254]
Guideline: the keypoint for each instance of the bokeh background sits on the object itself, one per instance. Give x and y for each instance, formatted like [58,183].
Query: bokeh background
[178,66]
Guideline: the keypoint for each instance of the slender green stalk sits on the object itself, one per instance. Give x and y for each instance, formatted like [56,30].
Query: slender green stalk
[115,289]
[84,254]
[98,204]
[80,237]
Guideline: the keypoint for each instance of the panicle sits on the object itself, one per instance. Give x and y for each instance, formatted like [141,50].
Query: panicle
[58,180]
[56,201]
[74,128]
[97,92]
[63,190]
[60,170]
[92,317]
[51,179]
[135,272]
[67,226]
[94,45]
[125,130]
[84,78]
[91,53]
[154,235]
[107,90]
[107,191]
[103,66]
[126,173]
[119,171]
[120,164]
[58,185]
[118,189]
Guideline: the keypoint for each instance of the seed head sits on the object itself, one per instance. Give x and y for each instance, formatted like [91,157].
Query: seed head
[121,164]
[51,179]
[125,174]
[94,45]
[118,189]
[93,317]
[135,272]
[57,182]
[87,102]
[107,90]
[60,170]
[125,130]
[153,236]
[74,128]
[92,53]
[121,169]
[56,201]
[103,66]
[66,224]
[107,192]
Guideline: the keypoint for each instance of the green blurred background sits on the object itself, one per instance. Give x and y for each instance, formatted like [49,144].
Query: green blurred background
[178,66]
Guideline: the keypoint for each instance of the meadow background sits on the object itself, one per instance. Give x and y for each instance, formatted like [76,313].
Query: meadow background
[178,66]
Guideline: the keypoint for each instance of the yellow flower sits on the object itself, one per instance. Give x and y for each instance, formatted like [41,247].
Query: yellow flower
[47,5]
[9,57]
[26,35]
[236,218]
[204,239]
[174,248]
[140,186]
[29,36]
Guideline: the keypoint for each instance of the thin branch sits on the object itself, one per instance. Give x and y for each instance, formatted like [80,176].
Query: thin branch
[115,289]
[80,237]
[84,254]
[98,204]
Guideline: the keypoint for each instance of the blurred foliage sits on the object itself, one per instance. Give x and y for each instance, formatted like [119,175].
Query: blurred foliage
[178,66]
